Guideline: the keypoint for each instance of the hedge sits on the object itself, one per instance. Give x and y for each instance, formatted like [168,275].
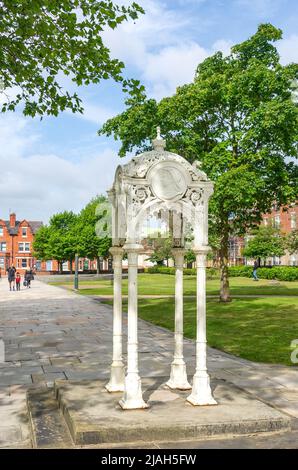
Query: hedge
[281,273]
[211,272]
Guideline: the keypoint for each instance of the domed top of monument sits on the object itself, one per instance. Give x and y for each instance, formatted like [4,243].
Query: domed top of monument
[139,165]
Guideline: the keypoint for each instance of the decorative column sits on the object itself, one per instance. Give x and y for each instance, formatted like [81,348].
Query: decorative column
[178,377]
[116,383]
[201,391]
[132,397]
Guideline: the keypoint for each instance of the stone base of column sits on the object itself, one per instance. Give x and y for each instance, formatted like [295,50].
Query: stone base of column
[201,391]
[132,398]
[116,382]
[178,378]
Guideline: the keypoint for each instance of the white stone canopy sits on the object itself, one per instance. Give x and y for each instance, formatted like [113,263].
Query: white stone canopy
[159,182]
[154,181]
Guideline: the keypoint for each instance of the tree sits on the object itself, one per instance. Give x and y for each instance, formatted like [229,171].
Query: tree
[239,119]
[58,240]
[41,241]
[42,40]
[266,242]
[292,242]
[162,250]
[190,258]
[90,245]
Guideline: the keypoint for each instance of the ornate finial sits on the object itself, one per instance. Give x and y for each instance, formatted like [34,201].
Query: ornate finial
[159,143]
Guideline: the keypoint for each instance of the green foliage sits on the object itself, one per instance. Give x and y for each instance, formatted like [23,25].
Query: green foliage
[280,273]
[68,234]
[211,273]
[239,119]
[162,250]
[90,245]
[292,242]
[266,242]
[43,40]
[190,257]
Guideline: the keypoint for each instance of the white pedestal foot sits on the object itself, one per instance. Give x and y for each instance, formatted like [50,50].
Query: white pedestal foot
[132,398]
[116,382]
[201,392]
[178,378]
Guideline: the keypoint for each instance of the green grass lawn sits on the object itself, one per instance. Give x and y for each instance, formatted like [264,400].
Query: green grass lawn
[260,330]
[163,284]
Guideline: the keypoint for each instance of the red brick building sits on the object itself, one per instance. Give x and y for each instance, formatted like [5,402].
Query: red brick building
[286,220]
[283,218]
[16,239]
[16,248]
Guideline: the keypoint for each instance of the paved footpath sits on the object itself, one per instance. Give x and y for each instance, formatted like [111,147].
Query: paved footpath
[51,333]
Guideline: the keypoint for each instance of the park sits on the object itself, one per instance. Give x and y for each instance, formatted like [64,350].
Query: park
[149,299]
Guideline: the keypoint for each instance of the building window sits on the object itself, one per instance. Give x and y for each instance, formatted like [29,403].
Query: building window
[293,221]
[277,221]
[3,246]
[65,266]
[24,232]
[24,246]
[24,262]
[266,222]
[293,260]
[49,266]
[1,231]
[2,262]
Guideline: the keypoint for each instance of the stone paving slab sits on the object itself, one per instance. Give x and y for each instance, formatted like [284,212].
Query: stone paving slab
[50,326]
[94,416]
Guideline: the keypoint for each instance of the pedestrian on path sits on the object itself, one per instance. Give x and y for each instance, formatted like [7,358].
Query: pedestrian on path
[28,278]
[18,281]
[254,273]
[11,275]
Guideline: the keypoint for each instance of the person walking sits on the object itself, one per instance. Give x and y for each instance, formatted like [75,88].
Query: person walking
[11,276]
[254,273]
[28,277]
[18,281]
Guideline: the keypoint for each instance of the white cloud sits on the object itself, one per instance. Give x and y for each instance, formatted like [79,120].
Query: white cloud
[96,114]
[37,185]
[172,66]
[288,49]
[222,45]
[159,46]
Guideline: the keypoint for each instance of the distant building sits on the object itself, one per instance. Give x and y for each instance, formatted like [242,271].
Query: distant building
[283,218]
[286,220]
[16,239]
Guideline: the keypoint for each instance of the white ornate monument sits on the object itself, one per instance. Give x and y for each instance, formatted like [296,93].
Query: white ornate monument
[159,182]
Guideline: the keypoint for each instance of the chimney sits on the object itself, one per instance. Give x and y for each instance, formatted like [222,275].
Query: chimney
[12,219]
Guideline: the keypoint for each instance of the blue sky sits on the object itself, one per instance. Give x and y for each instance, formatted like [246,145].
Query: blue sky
[60,163]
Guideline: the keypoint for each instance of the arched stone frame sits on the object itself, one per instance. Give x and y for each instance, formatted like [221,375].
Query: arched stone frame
[165,181]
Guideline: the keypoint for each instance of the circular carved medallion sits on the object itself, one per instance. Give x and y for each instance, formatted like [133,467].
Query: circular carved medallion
[167,181]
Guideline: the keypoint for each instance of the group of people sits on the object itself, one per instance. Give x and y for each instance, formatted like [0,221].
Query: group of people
[14,278]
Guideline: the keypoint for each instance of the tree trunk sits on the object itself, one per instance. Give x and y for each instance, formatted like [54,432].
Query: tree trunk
[98,265]
[224,275]
[60,266]
[70,266]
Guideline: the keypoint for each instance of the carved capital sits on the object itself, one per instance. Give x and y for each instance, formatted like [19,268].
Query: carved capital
[116,251]
[178,254]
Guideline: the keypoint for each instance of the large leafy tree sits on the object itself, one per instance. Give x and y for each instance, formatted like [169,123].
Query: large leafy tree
[42,40]
[58,240]
[265,242]
[69,234]
[90,245]
[239,119]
